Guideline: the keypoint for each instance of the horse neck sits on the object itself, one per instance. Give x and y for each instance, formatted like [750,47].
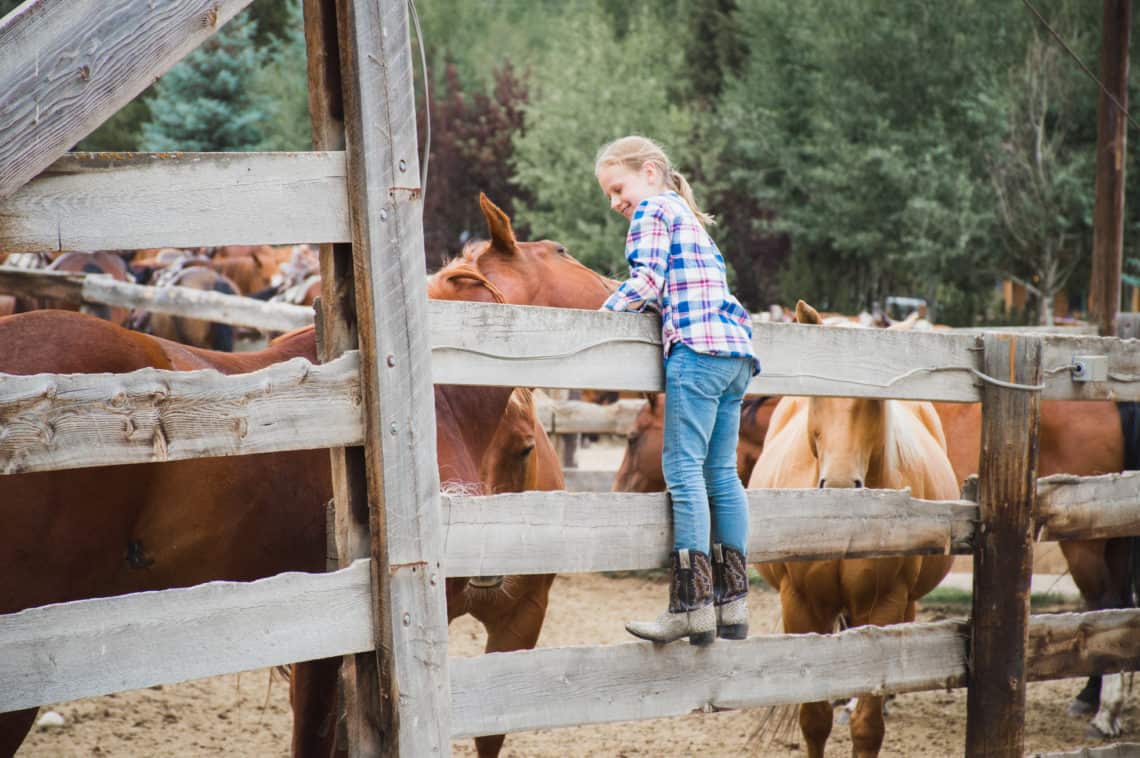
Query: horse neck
[476,413]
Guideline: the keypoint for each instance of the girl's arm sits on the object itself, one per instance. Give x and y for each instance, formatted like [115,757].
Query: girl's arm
[647,251]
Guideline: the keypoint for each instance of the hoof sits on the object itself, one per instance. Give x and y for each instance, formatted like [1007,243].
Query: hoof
[1078,707]
[1094,732]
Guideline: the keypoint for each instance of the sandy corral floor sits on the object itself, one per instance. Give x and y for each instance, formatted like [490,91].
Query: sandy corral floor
[248,714]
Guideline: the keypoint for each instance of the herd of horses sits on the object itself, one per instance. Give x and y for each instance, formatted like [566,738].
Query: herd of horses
[105,531]
[287,273]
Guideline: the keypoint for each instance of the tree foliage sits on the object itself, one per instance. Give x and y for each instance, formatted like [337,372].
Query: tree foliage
[471,149]
[203,104]
[587,90]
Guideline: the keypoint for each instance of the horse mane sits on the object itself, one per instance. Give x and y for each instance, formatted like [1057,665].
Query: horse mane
[902,448]
[442,284]
[751,406]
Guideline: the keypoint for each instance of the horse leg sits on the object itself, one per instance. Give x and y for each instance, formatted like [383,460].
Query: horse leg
[516,629]
[867,723]
[1102,571]
[14,727]
[314,697]
[815,718]
[1106,723]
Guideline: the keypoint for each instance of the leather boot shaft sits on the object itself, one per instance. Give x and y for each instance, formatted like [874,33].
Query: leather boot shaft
[691,584]
[730,591]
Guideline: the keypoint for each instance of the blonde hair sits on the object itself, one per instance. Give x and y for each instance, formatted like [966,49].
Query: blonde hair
[634,151]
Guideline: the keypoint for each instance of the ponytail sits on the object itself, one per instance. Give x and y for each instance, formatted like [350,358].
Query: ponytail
[634,151]
[680,185]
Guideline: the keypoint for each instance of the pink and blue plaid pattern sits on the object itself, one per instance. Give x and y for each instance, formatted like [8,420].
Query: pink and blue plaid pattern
[675,265]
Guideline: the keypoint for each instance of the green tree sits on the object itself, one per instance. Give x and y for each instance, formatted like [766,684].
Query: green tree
[280,88]
[1043,186]
[204,103]
[588,89]
[857,125]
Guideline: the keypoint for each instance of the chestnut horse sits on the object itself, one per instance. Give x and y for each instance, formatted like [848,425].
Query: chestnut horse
[112,530]
[640,469]
[853,443]
[1081,438]
[512,609]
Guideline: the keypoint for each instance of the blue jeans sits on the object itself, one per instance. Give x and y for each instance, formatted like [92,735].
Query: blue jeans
[703,394]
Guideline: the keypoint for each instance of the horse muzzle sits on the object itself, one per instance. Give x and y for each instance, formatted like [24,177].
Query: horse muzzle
[485,582]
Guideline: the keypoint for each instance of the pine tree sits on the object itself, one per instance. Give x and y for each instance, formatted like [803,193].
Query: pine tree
[204,103]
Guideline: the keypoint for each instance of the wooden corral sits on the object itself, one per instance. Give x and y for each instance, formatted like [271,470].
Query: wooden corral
[384,344]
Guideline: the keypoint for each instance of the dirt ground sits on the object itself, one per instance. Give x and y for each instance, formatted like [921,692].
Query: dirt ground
[248,714]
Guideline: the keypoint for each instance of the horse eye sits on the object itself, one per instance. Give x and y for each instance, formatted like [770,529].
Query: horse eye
[632,438]
[561,250]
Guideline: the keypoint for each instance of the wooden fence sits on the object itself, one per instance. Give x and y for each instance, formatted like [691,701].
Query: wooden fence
[360,79]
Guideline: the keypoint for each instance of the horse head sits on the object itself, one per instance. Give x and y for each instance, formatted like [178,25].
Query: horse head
[533,273]
[845,434]
[640,469]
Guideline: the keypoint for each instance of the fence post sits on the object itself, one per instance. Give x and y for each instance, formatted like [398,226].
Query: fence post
[1003,552]
[398,698]
[337,333]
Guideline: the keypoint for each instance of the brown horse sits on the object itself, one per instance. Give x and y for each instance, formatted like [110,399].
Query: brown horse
[98,262]
[192,331]
[111,530]
[853,443]
[640,469]
[512,609]
[1082,438]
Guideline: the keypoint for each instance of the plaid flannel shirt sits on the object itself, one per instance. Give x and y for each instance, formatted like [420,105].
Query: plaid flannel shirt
[676,266]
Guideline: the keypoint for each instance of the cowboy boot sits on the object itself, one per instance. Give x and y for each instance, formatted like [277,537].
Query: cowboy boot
[690,611]
[730,592]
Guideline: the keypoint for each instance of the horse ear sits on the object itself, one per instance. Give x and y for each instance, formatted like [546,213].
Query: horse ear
[498,224]
[805,314]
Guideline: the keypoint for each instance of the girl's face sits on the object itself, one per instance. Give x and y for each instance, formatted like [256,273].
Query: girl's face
[626,188]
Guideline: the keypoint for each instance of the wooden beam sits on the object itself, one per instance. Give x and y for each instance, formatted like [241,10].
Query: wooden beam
[578,417]
[59,421]
[1089,507]
[556,687]
[1119,750]
[1003,547]
[336,334]
[69,65]
[127,201]
[181,301]
[94,647]
[385,202]
[1111,151]
[561,532]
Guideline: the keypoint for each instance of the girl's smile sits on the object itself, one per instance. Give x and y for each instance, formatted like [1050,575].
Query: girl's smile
[626,188]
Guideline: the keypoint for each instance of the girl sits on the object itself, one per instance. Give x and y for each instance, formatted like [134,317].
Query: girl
[676,268]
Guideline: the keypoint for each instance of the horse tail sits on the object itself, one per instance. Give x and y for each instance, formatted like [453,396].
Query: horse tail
[222,335]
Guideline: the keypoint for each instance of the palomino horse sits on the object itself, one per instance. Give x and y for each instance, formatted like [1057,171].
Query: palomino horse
[640,469]
[853,443]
